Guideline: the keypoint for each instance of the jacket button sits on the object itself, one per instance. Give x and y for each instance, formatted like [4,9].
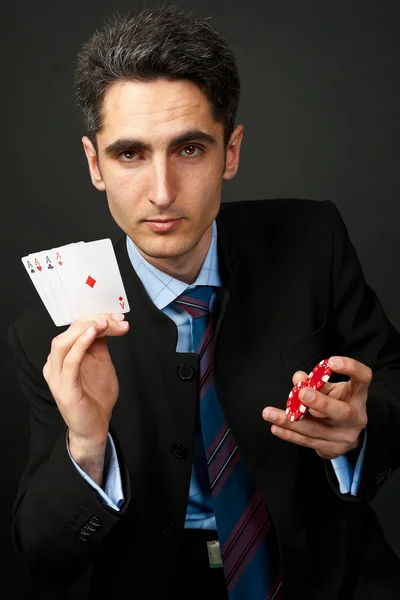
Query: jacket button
[85,529]
[169,528]
[94,521]
[185,371]
[179,451]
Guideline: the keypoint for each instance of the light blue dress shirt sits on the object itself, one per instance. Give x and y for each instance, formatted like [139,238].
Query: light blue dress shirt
[162,290]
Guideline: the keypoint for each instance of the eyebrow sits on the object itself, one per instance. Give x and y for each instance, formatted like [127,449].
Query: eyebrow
[191,135]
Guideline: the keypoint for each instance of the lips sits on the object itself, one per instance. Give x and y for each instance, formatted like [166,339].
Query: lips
[164,225]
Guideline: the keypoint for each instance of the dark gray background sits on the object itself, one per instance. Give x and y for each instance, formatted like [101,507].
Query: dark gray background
[320,109]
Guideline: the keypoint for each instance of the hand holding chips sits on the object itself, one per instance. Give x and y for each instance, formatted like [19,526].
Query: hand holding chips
[337,415]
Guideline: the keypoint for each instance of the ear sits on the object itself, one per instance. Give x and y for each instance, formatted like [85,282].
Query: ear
[91,156]
[233,153]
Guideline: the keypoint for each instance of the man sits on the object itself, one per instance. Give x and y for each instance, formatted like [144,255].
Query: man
[231,305]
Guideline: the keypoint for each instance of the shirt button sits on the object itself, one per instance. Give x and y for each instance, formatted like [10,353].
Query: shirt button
[179,451]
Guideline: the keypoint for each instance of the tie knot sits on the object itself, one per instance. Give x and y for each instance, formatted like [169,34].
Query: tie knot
[196,301]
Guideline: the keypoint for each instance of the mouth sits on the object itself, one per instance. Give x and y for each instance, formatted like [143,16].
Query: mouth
[164,225]
[161,220]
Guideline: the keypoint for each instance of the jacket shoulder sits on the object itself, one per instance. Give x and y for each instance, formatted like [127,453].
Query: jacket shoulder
[285,215]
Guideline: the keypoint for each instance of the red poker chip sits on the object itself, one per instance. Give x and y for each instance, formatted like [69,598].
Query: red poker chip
[319,376]
[295,409]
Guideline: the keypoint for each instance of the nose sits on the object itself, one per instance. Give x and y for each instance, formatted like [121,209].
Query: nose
[162,188]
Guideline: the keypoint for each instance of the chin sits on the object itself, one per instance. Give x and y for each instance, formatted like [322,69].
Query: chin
[163,248]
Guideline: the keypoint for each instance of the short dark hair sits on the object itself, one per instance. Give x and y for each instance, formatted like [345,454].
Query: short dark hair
[159,43]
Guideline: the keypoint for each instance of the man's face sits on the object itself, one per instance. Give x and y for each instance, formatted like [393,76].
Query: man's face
[164,180]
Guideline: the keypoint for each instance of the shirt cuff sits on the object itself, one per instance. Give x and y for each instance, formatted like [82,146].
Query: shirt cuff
[349,477]
[112,494]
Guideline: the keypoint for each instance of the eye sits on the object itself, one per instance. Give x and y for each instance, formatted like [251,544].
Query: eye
[192,146]
[129,155]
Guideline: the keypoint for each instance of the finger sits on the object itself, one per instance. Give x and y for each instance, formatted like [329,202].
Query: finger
[323,447]
[360,373]
[63,343]
[115,320]
[112,318]
[299,376]
[73,360]
[307,425]
[303,376]
[315,413]
[334,409]
[97,316]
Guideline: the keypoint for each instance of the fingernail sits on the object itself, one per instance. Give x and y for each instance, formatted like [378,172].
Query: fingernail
[272,414]
[118,317]
[307,395]
[123,324]
[101,322]
[335,362]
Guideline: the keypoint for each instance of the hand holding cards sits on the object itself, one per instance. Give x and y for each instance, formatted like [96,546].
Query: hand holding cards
[78,279]
[84,384]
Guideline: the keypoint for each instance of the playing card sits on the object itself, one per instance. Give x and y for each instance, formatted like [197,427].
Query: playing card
[90,278]
[55,255]
[48,278]
[34,268]
[40,268]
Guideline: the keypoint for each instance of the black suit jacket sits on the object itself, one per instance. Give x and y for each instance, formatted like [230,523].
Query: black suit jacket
[293,293]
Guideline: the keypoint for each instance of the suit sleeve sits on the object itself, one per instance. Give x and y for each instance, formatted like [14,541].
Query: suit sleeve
[362,331]
[59,521]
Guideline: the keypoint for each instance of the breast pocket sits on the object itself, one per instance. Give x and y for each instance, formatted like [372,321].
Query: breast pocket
[306,353]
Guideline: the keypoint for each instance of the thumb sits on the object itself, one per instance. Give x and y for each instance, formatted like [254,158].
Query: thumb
[303,376]
[299,376]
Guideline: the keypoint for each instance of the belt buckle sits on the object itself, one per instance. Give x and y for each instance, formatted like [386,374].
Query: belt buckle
[214,554]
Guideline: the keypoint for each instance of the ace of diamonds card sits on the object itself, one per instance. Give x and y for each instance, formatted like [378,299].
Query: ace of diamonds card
[90,277]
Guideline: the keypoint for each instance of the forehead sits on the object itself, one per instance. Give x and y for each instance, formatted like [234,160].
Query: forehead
[154,109]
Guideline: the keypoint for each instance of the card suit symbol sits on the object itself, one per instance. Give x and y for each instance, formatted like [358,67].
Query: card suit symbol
[32,270]
[50,267]
[90,281]
[60,262]
[39,268]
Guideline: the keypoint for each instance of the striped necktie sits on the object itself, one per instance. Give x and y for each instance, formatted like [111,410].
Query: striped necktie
[247,537]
